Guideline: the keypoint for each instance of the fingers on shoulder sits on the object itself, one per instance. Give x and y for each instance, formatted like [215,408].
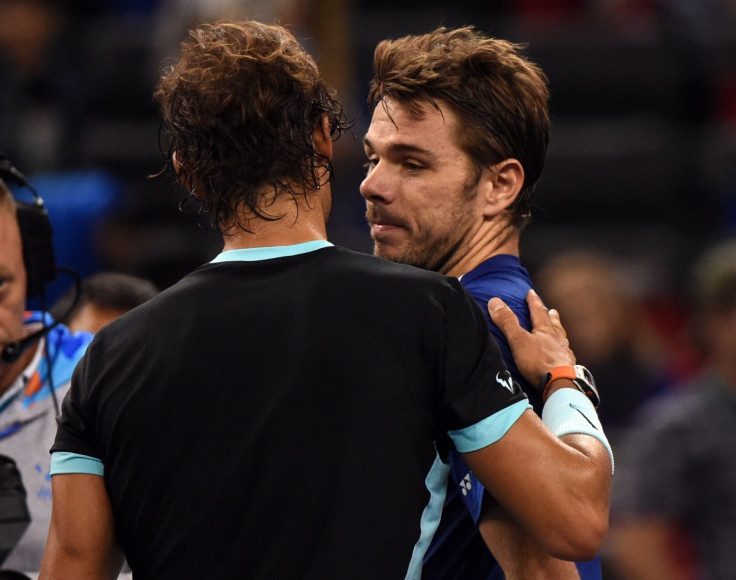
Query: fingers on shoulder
[501,314]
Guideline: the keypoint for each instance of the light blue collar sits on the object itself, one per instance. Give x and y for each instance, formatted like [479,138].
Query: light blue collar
[270,252]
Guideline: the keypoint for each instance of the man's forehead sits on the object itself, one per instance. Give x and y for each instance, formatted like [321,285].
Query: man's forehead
[399,145]
[414,111]
[398,124]
[417,106]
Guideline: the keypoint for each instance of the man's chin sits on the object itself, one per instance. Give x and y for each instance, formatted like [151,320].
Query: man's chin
[394,254]
[388,252]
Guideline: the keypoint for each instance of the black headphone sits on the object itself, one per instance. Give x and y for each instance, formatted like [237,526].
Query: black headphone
[38,251]
[35,232]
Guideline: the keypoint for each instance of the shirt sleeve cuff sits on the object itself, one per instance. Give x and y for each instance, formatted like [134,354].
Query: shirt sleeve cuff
[489,430]
[63,462]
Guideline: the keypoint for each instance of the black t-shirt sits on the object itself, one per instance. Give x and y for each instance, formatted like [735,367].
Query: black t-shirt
[282,418]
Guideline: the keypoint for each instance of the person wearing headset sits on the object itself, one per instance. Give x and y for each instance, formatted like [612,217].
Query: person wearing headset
[36,364]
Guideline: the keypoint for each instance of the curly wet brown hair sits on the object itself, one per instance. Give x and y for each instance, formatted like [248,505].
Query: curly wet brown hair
[500,97]
[239,109]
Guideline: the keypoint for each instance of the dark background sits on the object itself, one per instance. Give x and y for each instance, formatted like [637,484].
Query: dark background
[641,160]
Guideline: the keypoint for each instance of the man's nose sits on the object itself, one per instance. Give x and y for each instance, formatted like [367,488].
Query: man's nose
[376,186]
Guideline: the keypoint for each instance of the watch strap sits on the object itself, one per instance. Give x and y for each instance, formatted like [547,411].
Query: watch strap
[581,378]
[565,372]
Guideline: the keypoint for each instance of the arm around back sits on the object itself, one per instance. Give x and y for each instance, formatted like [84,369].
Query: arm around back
[520,556]
[556,488]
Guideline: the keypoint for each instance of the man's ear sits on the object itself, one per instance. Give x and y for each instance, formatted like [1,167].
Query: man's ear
[178,167]
[500,186]
[322,139]
[175,163]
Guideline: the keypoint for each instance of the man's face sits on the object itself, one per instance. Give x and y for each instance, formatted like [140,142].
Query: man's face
[420,187]
[12,280]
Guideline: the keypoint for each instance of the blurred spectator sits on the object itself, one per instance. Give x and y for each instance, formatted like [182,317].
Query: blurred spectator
[42,96]
[608,327]
[674,506]
[103,297]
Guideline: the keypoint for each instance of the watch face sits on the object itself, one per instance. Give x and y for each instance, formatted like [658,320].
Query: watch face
[585,374]
[586,383]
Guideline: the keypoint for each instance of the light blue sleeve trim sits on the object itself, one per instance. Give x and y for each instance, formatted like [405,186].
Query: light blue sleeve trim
[489,430]
[270,252]
[64,462]
[569,411]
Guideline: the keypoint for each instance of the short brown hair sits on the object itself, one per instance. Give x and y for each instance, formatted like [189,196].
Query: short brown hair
[240,107]
[500,97]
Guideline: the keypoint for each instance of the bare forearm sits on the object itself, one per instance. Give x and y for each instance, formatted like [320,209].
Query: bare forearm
[581,496]
[517,552]
[81,543]
[558,491]
[60,565]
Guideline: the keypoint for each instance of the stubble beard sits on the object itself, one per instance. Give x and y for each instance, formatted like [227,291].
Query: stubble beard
[431,251]
[428,256]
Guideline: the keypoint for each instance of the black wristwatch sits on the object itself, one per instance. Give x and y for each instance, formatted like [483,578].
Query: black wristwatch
[581,377]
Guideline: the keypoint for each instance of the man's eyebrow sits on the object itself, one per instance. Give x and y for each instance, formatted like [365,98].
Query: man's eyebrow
[403,148]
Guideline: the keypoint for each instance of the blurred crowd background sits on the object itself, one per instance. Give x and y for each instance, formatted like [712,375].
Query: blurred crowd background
[642,152]
[640,178]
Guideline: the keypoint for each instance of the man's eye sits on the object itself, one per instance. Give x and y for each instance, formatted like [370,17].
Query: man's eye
[370,164]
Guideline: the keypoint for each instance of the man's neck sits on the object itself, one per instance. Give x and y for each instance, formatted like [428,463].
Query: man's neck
[492,238]
[300,221]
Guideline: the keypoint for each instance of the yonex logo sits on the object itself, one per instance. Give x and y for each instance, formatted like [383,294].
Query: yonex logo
[466,485]
[504,379]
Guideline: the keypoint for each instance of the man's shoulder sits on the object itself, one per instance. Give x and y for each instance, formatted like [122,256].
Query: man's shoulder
[502,276]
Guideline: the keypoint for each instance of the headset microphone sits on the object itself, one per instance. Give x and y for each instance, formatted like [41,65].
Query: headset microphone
[12,352]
